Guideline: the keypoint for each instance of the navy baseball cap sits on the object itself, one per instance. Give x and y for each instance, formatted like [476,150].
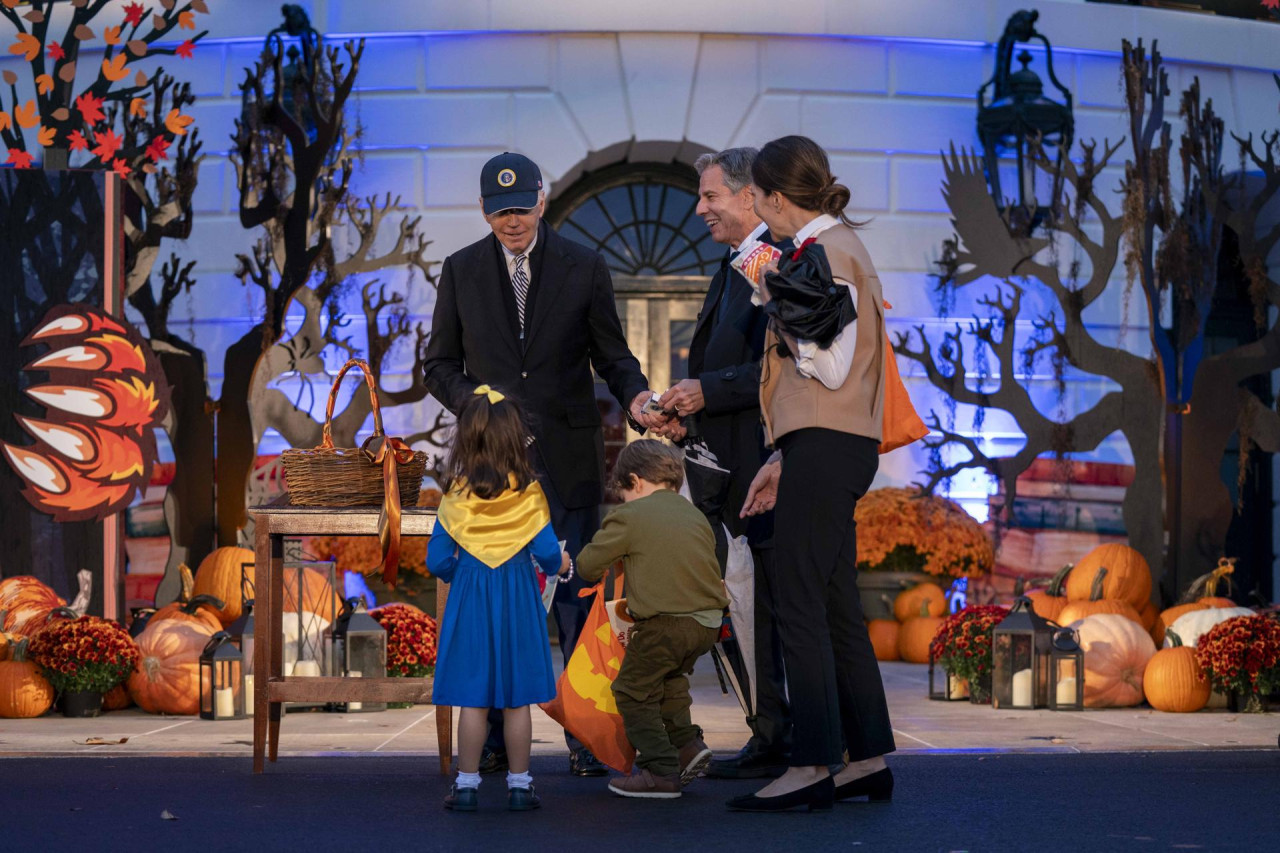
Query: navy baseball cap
[509,180]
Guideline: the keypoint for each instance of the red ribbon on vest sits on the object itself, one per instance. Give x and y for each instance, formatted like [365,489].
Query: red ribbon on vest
[795,256]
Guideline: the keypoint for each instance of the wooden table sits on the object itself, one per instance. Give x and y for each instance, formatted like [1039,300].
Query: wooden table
[272,524]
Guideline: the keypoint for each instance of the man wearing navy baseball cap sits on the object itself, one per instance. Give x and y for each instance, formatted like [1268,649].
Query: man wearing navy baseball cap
[531,313]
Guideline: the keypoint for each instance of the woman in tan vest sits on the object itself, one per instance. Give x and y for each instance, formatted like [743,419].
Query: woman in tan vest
[822,399]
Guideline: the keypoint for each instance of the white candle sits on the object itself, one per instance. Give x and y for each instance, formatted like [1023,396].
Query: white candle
[959,688]
[248,694]
[1067,691]
[306,668]
[1022,688]
[223,703]
[355,706]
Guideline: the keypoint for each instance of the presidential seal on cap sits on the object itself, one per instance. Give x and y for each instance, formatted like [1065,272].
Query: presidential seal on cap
[509,180]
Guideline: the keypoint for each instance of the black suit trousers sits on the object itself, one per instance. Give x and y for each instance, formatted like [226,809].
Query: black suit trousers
[833,679]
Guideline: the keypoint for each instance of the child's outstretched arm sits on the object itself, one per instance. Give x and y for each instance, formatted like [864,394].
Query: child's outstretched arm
[611,542]
[442,554]
[546,551]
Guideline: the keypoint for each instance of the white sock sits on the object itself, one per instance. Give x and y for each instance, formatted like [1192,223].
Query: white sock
[519,780]
[468,780]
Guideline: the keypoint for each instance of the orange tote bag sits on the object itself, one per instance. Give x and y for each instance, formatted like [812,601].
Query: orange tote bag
[900,423]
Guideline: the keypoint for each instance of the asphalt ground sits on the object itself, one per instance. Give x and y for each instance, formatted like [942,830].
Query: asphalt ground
[1221,800]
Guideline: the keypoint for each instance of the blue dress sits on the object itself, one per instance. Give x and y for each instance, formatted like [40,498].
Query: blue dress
[494,651]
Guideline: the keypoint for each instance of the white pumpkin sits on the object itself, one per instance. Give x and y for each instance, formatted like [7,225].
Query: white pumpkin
[1116,653]
[312,637]
[1194,625]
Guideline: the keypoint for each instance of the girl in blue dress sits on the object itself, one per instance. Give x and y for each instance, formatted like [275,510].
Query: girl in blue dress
[493,533]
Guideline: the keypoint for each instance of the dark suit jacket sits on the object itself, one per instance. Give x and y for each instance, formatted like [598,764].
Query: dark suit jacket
[725,356]
[571,326]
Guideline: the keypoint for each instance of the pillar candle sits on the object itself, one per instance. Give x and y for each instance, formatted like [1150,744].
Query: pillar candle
[248,694]
[223,703]
[959,687]
[355,706]
[1067,691]
[1022,688]
[306,668]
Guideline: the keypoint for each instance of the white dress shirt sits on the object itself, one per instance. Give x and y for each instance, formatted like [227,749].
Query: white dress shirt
[829,366]
[510,257]
[755,235]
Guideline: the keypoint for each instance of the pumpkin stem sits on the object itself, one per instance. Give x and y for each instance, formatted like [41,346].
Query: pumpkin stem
[924,608]
[20,650]
[1095,592]
[1055,585]
[188,582]
[151,666]
[202,600]
[1207,584]
[1172,636]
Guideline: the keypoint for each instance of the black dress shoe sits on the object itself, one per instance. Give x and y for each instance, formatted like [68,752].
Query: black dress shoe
[492,762]
[583,763]
[461,799]
[749,763]
[817,797]
[522,799]
[877,788]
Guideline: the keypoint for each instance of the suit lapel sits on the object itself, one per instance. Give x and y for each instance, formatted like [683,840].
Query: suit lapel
[492,283]
[718,283]
[554,270]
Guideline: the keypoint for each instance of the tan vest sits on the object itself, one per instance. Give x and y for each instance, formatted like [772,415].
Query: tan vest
[790,401]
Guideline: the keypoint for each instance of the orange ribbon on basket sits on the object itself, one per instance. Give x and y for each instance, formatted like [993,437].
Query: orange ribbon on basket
[390,453]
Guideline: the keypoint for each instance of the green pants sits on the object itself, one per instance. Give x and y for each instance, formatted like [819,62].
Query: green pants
[652,688]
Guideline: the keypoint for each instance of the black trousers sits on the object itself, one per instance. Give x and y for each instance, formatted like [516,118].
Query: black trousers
[833,679]
[771,725]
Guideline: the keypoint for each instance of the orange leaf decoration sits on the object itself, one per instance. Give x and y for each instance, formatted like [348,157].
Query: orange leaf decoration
[44,84]
[27,45]
[176,123]
[111,35]
[187,20]
[9,4]
[25,115]
[45,136]
[138,107]
[113,69]
[5,121]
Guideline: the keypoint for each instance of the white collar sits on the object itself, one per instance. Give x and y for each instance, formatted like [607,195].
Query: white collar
[814,227]
[755,235]
[511,256]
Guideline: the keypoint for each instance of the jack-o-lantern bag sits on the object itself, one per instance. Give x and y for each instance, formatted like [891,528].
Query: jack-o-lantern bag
[584,702]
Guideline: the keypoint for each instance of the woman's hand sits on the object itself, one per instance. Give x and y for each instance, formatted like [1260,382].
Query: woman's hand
[763,493]
[565,562]
[765,296]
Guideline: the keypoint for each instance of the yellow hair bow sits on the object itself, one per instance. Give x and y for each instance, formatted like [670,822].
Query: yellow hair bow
[495,397]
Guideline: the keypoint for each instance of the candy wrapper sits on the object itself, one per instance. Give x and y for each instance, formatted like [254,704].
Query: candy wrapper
[751,258]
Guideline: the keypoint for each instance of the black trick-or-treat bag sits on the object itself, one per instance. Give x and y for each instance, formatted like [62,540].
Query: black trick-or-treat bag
[805,300]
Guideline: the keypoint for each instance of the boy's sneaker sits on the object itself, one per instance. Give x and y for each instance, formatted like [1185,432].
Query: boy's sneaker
[642,783]
[461,799]
[694,758]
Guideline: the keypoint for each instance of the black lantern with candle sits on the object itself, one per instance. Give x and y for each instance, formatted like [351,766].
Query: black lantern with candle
[356,647]
[1020,647]
[222,690]
[1066,671]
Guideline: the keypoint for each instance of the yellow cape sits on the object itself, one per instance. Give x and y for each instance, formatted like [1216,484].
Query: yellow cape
[495,530]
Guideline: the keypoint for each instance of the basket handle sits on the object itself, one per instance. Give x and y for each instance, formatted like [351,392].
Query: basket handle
[327,440]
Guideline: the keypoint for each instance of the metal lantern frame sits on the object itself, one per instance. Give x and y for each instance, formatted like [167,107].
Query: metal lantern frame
[353,622]
[1065,654]
[223,694]
[945,686]
[1020,643]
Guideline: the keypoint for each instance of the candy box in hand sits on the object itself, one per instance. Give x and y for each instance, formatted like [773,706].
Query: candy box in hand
[752,257]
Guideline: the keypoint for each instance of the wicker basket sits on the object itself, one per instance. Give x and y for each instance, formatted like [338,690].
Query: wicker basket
[347,476]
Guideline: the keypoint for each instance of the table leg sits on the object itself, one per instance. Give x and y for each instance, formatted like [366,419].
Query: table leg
[444,737]
[276,628]
[261,637]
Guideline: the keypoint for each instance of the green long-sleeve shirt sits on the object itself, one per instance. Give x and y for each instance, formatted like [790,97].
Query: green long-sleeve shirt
[669,556]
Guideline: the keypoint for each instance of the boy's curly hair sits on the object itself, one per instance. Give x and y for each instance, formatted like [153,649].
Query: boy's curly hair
[649,460]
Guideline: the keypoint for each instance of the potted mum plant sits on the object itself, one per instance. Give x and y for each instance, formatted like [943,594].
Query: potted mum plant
[962,646]
[906,537]
[411,641]
[1241,657]
[83,658]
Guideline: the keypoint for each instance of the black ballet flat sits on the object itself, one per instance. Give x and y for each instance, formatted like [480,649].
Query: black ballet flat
[818,797]
[877,787]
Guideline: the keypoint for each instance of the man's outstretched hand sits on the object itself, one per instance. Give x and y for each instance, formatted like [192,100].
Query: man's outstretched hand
[645,419]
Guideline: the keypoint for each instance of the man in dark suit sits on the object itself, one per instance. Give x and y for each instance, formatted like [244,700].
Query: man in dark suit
[531,313]
[720,401]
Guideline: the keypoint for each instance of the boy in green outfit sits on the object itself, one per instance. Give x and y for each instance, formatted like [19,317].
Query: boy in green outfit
[677,598]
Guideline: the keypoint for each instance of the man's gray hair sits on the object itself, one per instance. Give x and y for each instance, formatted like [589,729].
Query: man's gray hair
[734,162]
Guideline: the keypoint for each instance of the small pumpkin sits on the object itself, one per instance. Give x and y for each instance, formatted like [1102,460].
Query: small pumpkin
[1116,653]
[916,634]
[1170,615]
[1048,602]
[909,601]
[116,699]
[1190,627]
[24,692]
[220,575]
[1128,576]
[166,679]
[201,610]
[1148,615]
[1077,610]
[1174,680]
[884,638]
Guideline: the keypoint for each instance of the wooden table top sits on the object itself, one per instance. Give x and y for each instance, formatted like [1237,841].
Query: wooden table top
[282,518]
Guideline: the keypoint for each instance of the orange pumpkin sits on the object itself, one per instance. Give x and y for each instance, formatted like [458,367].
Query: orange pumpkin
[909,602]
[1116,653]
[202,610]
[1148,616]
[166,679]
[884,638]
[916,634]
[219,575]
[318,596]
[27,602]
[116,699]
[1048,602]
[1170,615]
[1128,576]
[24,692]
[1077,610]
[1174,681]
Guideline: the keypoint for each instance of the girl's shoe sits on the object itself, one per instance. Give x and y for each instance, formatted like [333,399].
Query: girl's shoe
[877,787]
[818,797]
[461,799]
[523,799]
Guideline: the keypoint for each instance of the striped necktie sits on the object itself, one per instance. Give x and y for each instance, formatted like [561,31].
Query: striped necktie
[520,282]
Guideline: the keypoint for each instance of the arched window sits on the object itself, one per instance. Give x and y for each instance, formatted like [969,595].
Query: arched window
[641,218]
